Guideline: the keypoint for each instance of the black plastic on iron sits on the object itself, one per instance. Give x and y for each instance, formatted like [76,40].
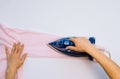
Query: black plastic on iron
[62,43]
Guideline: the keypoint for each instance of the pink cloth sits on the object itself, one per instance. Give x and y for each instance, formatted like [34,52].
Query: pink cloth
[35,44]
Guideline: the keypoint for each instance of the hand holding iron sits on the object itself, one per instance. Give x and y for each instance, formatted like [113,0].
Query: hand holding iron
[82,44]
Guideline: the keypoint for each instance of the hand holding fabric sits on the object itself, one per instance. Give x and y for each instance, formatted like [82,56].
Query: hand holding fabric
[14,60]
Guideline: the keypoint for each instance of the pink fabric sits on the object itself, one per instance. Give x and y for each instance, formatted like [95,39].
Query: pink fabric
[35,44]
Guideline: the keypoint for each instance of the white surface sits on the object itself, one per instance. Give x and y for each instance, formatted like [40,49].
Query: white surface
[54,68]
[99,18]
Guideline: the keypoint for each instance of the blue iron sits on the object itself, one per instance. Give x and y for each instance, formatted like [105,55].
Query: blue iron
[61,45]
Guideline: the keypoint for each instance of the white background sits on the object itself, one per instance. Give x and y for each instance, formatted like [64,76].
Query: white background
[98,18]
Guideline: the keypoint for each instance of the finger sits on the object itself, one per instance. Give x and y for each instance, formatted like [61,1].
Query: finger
[21,49]
[13,48]
[73,40]
[23,59]
[7,52]
[72,48]
[17,48]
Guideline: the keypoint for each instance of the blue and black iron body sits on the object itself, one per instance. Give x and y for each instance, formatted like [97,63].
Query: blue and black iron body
[62,43]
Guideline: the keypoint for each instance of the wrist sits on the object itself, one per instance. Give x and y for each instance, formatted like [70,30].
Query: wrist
[94,52]
[10,73]
[11,70]
[90,48]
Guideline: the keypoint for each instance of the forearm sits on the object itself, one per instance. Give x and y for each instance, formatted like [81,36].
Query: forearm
[10,73]
[111,68]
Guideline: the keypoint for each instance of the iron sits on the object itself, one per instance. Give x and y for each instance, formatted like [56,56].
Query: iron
[61,44]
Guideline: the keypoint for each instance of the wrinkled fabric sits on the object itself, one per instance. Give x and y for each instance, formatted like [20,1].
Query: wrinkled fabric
[35,45]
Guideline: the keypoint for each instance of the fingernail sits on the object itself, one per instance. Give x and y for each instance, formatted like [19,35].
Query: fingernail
[5,47]
[66,48]
[22,45]
[14,44]
[18,43]
[71,38]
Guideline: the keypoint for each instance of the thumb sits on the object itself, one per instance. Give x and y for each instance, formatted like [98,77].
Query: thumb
[71,48]
[23,59]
